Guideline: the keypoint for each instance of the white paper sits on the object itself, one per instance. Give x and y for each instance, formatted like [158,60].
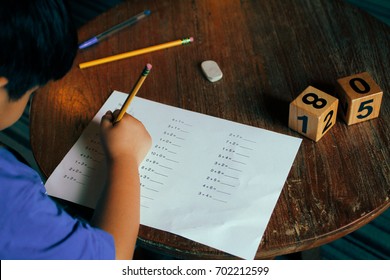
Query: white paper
[210,180]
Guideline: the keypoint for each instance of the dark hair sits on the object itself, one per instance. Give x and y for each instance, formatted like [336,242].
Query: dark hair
[38,43]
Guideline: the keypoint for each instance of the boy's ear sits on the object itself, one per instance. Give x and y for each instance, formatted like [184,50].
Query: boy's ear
[3,81]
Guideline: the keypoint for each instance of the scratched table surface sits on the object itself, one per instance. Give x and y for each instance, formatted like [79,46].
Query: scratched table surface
[269,52]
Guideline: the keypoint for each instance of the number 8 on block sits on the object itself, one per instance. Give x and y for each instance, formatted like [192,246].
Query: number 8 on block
[313,113]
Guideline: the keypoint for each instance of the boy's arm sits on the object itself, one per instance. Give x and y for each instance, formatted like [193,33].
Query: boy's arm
[118,212]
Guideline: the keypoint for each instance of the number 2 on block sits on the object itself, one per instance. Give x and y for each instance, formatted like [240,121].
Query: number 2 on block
[328,119]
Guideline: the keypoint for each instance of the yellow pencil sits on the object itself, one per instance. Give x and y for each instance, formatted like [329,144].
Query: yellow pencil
[136,88]
[136,52]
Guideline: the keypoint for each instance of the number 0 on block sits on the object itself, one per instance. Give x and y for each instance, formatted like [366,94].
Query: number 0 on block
[313,113]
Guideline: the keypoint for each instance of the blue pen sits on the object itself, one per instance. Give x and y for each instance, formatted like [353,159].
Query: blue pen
[112,30]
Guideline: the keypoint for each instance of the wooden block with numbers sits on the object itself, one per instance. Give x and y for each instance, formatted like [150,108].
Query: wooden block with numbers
[360,98]
[313,113]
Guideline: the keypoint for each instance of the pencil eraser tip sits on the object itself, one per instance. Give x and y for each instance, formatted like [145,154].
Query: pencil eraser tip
[148,66]
[191,39]
[147,12]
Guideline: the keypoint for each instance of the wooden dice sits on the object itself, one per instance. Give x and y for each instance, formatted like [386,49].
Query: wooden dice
[313,113]
[360,98]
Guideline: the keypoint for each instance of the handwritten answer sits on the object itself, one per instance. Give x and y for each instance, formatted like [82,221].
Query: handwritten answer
[210,180]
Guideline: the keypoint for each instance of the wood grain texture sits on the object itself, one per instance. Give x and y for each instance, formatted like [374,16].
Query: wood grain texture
[269,52]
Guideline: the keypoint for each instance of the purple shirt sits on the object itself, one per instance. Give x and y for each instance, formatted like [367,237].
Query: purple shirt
[33,226]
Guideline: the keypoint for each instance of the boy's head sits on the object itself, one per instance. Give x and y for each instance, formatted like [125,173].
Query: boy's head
[38,43]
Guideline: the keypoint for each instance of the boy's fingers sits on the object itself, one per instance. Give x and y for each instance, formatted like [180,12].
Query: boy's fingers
[116,113]
[107,117]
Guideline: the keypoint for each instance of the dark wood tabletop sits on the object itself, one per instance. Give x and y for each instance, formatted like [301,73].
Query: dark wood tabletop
[269,52]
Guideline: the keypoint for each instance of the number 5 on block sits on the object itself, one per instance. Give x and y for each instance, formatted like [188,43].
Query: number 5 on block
[313,113]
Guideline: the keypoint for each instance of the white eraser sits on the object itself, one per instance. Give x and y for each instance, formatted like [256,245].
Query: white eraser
[212,71]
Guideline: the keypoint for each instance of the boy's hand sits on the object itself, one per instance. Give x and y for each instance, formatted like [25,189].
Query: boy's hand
[125,140]
[126,144]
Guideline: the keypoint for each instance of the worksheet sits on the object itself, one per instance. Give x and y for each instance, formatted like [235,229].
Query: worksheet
[207,179]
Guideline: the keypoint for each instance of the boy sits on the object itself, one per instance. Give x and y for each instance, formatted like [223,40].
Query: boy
[38,44]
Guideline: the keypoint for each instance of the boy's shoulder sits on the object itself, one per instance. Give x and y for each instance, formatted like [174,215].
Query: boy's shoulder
[11,153]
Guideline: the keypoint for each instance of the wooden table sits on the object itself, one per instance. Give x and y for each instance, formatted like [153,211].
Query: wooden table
[269,52]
